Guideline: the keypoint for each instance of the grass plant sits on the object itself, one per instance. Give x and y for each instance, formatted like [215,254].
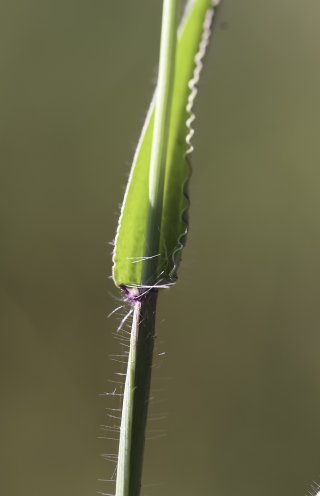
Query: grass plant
[153,222]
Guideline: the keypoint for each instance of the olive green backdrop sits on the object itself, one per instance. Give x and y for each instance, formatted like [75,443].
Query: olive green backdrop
[239,386]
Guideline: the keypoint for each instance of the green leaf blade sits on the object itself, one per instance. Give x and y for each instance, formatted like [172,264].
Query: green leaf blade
[129,251]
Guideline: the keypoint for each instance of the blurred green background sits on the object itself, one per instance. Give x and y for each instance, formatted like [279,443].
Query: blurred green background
[239,384]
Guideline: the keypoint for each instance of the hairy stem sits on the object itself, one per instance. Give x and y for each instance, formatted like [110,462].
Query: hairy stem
[137,385]
[160,136]
[136,396]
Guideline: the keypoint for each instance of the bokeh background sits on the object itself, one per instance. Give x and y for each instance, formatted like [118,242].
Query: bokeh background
[239,386]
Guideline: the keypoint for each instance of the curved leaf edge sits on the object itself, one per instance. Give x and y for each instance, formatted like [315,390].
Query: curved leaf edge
[193,86]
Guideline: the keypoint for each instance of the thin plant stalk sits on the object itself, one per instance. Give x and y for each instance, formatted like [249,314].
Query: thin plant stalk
[136,396]
[138,377]
[164,93]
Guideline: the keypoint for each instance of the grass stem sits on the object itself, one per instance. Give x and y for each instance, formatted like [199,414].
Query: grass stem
[136,397]
[137,385]
[163,97]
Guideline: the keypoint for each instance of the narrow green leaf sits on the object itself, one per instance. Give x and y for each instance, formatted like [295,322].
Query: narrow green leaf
[132,249]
